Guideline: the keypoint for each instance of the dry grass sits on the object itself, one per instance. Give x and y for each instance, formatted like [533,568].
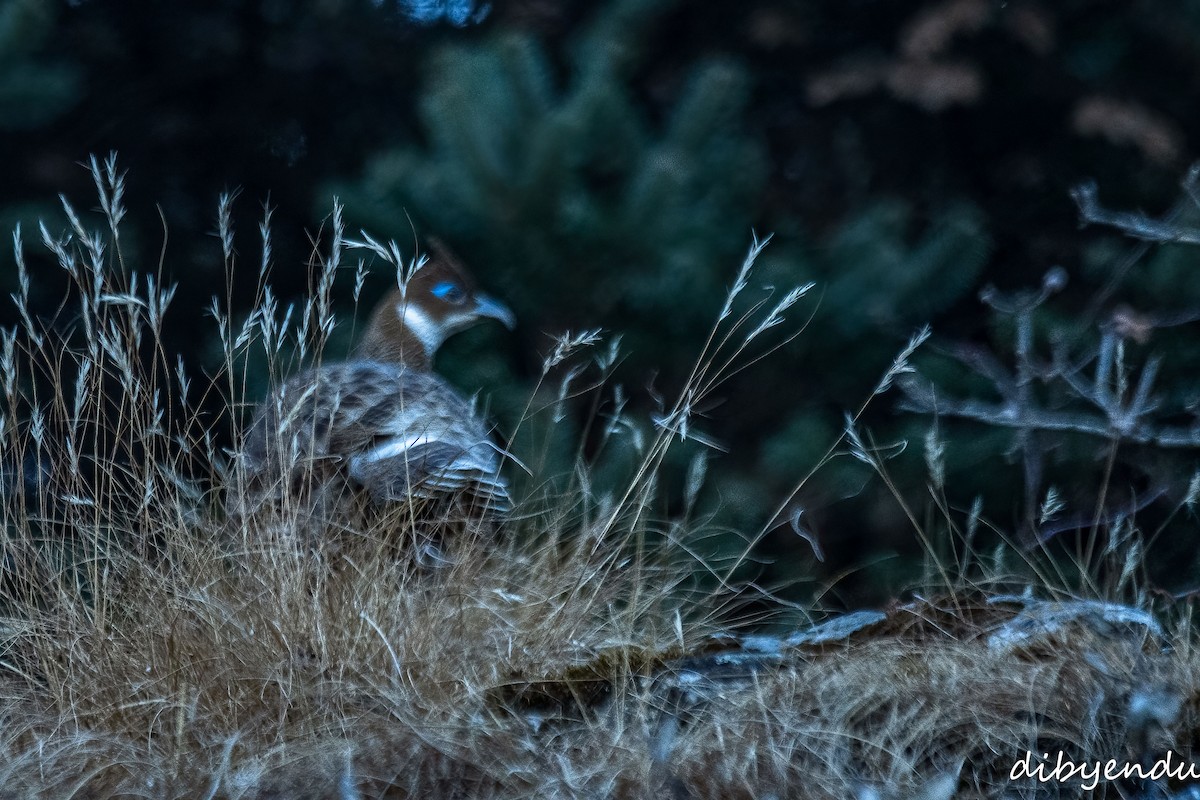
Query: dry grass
[150,647]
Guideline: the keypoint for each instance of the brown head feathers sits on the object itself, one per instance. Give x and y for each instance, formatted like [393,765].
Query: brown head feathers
[438,300]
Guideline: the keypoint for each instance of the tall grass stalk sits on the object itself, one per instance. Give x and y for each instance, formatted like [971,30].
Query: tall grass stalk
[151,636]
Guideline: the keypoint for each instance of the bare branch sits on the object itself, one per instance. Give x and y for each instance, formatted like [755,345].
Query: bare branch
[1139,226]
[920,398]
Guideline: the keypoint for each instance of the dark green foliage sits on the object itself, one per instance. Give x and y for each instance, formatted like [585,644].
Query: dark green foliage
[896,279]
[602,165]
[33,89]
[573,199]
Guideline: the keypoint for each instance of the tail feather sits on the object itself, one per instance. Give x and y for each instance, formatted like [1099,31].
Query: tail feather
[429,470]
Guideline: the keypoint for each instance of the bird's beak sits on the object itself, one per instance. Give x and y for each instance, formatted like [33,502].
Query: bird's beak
[487,307]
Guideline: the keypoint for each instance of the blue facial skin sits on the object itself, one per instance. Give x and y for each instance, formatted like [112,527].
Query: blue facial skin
[449,292]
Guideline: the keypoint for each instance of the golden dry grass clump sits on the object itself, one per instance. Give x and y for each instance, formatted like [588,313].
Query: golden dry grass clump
[151,647]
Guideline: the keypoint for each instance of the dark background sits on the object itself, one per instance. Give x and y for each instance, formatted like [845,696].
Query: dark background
[604,165]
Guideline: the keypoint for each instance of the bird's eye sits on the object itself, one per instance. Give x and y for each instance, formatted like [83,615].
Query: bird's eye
[450,292]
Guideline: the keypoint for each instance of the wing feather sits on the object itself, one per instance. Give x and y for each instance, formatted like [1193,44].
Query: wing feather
[398,433]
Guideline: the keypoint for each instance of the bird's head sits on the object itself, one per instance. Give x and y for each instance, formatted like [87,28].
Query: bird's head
[439,300]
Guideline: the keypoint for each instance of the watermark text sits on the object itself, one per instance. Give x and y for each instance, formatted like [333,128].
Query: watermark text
[1090,773]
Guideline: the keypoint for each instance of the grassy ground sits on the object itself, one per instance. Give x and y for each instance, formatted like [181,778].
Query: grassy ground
[152,647]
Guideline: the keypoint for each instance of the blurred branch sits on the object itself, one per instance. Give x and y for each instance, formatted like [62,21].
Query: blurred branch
[1109,519]
[1124,413]
[1113,402]
[921,398]
[1086,386]
[1140,226]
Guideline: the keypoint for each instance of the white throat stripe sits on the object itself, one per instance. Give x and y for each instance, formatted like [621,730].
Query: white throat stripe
[425,329]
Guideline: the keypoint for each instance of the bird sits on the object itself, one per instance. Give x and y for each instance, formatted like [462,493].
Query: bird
[382,423]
